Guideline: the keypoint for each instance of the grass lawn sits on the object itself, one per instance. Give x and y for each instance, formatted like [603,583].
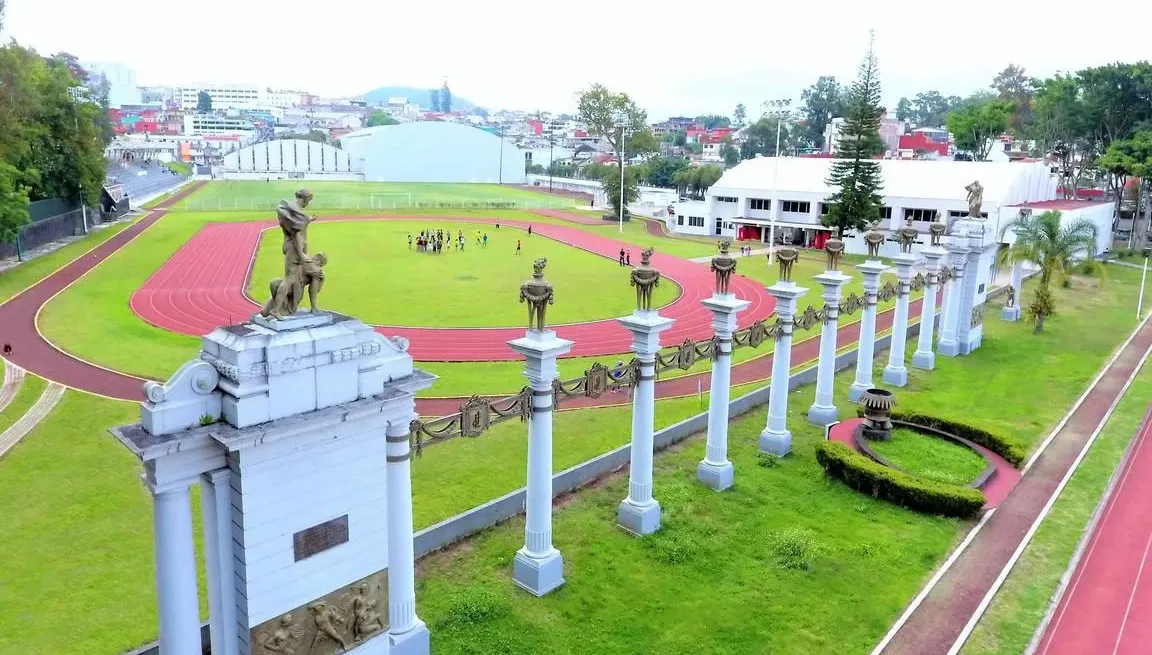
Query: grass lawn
[80,544]
[474,287]
[18,278]
[256,195]
[1018,608]
[929,457]
[30,390]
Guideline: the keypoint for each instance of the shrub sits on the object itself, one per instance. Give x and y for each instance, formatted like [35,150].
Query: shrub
[866,476]
[476,605]
[670,547]
[794,549]
[207,419]
[767,460]
[1005,447]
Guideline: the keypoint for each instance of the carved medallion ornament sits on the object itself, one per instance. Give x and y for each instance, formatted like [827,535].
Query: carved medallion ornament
[874,238]
[907,236]
[723,265]
[936,230]
[786,257]
[834,248]
[645,279]
[538,293]
[977,316]
[335,623]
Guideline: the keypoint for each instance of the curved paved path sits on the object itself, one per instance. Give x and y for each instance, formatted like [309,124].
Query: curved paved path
[1107,605]
[203,284]
[36,413]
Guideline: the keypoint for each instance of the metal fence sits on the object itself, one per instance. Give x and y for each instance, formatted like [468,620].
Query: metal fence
[381,201]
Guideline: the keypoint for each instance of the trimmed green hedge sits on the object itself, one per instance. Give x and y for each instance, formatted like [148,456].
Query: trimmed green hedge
[866,476]
[1005,447]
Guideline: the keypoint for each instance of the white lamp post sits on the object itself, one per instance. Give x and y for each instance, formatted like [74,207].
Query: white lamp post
[778,109]
[621,124]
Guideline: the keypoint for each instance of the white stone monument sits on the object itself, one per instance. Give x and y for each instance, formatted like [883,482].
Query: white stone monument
[776,439]
[297,431]
[538,566]
[924,358]
[981,265]
[948,344]
[715,470]
[823,410]
[871,270]
[896,373]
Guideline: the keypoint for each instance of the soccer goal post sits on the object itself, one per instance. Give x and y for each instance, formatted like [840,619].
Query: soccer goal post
[391,200]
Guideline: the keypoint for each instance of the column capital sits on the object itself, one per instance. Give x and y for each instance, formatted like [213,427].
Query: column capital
[217,476]
[645,327]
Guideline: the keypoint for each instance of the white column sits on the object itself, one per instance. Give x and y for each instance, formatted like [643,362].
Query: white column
[866,350]
[896,374]
[216,510]
[639,513]
[176,591]
[715,471]
[775,439]
[948,345]
[823,410]
[1013,313]
[538,567]
[406,632]
[924,357]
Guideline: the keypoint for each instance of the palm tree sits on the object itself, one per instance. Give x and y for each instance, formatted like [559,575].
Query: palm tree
[1052,247]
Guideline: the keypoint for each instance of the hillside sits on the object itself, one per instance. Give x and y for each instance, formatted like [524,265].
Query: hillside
[415,95]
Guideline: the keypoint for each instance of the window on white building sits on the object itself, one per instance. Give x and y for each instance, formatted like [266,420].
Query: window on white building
[679,219]
[824,208]
[956,214]
[726,199]
[795,207]
[922,215]
[762,204]
[696,221]
[885,213]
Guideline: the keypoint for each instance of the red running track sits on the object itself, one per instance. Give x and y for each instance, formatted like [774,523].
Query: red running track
[202,287]
[1107,605]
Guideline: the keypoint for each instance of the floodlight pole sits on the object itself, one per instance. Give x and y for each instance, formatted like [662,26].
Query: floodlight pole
[621,179]
[1143,276]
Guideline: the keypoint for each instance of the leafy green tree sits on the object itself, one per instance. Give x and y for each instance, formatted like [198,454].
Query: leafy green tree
[13,203]
[683,180]
[662,170]
[1117,99]
[641,144]
[534,169]
[760,138]
[434,99]
[203,102]
[904,111]
[1124,159]
[610,178]
[823,101]
[730,153]
[856,175]
[1013,85]
[680,140]
[600,109]
[1041,240]
[379,118]
[1063,127]
[445,98]
[713,121]
[704,177]
[740,116]
[977,124]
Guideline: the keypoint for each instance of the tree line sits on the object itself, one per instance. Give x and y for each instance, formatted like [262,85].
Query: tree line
[53,131]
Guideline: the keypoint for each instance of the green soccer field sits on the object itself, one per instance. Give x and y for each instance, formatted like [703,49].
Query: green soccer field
[247,194]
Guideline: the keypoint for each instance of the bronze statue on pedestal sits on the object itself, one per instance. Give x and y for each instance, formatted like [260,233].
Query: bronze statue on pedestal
[645,278]
[786,257]
[538,293]
[723,265]
[975,200]
[834,248]
[874,238]
[907,236]
[300,271]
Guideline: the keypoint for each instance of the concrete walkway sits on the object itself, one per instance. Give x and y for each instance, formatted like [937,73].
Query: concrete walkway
[13,379]
[42,407]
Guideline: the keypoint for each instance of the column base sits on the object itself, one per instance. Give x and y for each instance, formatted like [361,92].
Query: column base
[775,443]
[1010,313]
[639,519]
[924,359]
[822,415]
[856,391]
[538,575]
[416,641]
[896,376]
[716,477]
[948,348]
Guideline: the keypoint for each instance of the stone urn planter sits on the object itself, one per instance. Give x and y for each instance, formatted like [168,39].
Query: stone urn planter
[878,405]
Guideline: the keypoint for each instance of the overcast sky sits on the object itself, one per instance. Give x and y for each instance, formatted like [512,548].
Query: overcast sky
[677,57]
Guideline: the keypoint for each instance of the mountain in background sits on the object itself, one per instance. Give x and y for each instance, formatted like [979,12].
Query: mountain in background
[415,96]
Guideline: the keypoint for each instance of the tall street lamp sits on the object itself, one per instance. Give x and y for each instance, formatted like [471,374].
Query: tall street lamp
[778,109]
[551,139]
[621,124]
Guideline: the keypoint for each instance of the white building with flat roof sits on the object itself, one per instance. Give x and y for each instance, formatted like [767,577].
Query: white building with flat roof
[212,124]
[740,204]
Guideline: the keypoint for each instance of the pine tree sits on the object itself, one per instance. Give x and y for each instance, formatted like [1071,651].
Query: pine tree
[445,99]
[856,173]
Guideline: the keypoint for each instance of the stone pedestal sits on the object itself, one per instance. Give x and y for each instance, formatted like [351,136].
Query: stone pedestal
[776,439]
[924,358]
[823,410]
[948,345]
[896,374]
[639,513]
[715,471]
[871,270]
[299,434]
[538,567]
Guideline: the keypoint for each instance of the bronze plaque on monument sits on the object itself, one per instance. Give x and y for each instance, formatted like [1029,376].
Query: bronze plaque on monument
[337,622]
[320,538]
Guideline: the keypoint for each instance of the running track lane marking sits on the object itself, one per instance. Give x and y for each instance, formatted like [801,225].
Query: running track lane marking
[984,602]
[36,413]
